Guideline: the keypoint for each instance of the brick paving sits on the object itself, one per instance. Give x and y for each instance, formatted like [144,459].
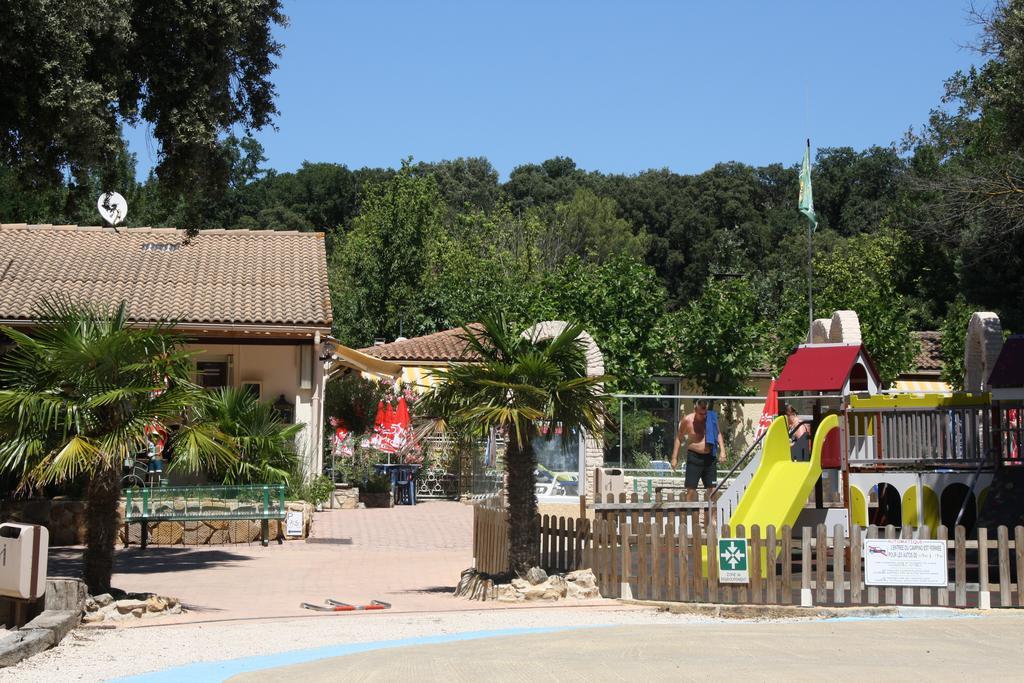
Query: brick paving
[410,556]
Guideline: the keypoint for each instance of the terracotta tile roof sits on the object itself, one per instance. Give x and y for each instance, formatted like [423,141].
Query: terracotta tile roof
[929,358]
[439,347]
[219,276]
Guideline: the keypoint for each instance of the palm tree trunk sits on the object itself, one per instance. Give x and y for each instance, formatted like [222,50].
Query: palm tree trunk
[104,493]
[524,523]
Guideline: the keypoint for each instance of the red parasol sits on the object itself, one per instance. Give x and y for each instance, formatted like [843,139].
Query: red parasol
[771,410]
[378,426]
[402,414]
[388,429]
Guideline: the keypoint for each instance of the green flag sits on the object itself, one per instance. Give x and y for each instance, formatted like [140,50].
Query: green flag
[806,204]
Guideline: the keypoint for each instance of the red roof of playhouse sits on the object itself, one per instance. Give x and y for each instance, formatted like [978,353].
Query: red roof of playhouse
[823,367]
[1008,372]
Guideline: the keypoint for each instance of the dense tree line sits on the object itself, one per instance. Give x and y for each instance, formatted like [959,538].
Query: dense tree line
[670,272]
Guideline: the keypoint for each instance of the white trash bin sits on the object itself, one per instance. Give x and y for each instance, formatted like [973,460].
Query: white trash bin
[23,553]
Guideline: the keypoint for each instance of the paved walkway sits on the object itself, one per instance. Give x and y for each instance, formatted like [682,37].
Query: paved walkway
[410,556]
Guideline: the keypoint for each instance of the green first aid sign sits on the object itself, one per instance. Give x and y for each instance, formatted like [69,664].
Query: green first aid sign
[733,560]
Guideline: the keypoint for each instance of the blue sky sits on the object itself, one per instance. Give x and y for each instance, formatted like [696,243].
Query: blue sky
[619,87]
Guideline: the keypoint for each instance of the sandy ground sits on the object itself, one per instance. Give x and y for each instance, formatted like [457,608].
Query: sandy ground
[890,650]
[99,655]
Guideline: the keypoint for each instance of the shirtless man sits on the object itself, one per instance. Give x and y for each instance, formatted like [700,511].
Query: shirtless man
[700,455]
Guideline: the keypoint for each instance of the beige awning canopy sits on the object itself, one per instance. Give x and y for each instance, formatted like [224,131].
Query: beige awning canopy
[342,357]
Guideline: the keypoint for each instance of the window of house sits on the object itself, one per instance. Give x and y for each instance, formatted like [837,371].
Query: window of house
[212,374]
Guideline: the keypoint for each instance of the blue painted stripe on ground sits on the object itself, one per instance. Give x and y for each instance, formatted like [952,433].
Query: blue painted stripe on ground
[221,670]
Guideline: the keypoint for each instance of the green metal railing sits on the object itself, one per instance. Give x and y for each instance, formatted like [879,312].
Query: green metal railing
[190,503]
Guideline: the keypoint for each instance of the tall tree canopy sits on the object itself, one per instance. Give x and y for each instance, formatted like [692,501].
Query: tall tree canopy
[188,71]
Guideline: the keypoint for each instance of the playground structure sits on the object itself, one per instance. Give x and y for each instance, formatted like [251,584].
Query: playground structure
[907,460]
[882,465]
[911,460]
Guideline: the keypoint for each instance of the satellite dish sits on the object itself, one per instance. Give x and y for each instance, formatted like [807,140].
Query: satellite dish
[112,207]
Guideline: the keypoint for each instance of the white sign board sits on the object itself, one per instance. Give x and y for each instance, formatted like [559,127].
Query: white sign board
[293,523]
[733,561]
[904,562]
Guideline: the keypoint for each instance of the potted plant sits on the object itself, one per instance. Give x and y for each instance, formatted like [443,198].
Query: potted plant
[376,493]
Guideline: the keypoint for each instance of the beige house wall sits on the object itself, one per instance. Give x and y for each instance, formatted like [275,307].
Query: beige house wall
[278,369]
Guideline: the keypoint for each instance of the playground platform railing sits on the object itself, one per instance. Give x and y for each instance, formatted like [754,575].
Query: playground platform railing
[901,432]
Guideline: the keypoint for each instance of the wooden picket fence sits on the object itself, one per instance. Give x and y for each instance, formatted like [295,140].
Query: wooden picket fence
[650,555]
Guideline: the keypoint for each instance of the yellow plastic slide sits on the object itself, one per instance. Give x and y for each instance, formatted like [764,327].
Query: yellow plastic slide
[780,487]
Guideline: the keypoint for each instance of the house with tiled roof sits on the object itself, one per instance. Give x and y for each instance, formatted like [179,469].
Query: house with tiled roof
[419,356]
[926,373]
[254,304]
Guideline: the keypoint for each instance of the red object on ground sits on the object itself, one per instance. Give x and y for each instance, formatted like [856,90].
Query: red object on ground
[820,368]
[770,412]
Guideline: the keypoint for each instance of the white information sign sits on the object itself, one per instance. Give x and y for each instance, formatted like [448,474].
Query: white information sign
[732,560]
[293,523]
[904,562]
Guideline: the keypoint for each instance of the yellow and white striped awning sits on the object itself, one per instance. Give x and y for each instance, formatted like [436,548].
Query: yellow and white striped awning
[921,386]
[418,378]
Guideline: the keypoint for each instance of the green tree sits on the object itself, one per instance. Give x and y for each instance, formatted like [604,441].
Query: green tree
[716,340]
[954,339]
[859,274]
[523,387]
[378,268]
[589,228]
[75,71]
[975,179]
[483,262]
[620,303]
[76,398]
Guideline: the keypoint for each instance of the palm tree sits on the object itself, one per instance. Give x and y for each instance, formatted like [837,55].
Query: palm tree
[525,387]
[264,444]
[76,398]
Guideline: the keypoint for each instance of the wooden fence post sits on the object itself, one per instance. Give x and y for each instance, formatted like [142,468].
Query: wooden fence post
[984,596]
[805,569]
[756,562]
[712,564]
[684,553]
[1018,543]
[838,564]
[772,595]
[960,564]
[1004,567]
[821,566]
[787,565]
[856,575]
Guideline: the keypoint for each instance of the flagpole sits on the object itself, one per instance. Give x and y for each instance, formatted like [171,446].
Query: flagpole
[810,262]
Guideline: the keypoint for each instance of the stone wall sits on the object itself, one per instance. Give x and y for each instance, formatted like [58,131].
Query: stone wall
[65,519]
[346,497]
[213,532]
